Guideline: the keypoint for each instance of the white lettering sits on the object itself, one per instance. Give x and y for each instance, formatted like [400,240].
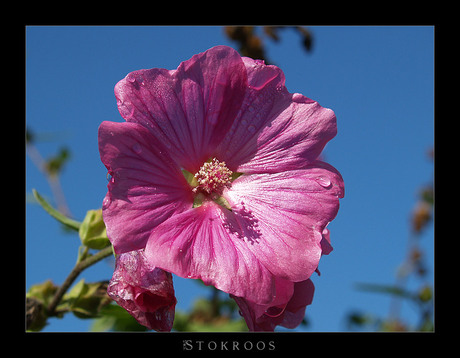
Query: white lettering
[236,346]
[188,345]
[262,346]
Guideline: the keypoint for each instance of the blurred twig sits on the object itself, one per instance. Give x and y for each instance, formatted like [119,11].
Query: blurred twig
[251,44]
[51,169]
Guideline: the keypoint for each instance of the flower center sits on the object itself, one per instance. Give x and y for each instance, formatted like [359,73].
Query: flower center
[213,177]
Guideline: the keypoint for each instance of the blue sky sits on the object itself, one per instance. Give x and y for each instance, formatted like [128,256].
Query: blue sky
[378,80]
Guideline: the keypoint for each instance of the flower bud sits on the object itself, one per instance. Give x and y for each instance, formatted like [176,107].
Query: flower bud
[146,292]
[92,230]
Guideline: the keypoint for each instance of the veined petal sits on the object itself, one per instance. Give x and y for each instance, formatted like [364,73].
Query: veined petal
[294,139]
[190,109]
[275,130]
[200,244]
[145,188]
[283,216]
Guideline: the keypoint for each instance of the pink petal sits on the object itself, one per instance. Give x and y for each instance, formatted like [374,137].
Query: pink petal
[275,130]
[287,311]
[190,109]
[200,244]
[283,215]
[146,292]
[295,309]
[146,187]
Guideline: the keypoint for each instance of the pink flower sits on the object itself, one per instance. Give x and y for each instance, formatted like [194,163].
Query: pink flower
[215,173]
[146,292]
[287,309]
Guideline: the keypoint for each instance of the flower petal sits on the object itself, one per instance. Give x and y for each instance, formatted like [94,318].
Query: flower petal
[198,244]
[190,109]
[275,130]
[283,216]
[146,187]
[287,310]
[146,292]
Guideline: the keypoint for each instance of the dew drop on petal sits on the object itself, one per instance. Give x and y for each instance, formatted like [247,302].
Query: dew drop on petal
[251,129]
[109,177]
[324,182]
[126,109]
[106,202]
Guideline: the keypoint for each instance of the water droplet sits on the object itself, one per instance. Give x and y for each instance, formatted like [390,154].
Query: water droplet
[106,202]
[244,122]
[126,109]
[109,177]
[324,182]
[137,148]
[251,129]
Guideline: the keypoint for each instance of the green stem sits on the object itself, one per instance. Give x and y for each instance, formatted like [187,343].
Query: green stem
[79,267]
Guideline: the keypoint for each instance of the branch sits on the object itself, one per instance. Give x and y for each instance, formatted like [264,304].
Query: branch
[79,267]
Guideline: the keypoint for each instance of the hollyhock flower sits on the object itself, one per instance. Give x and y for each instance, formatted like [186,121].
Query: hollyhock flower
[215,173]
[287,309]
[146,292]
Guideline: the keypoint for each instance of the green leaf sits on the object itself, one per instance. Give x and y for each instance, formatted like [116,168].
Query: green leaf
[75,225]
[92,230]
[43,292]
[115,318]
[85,300]
[224,326]
[77,290]
[425,294]
[190,178]
[55,164]
[223,202]
[427,195]
[198,200]
[236,175]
